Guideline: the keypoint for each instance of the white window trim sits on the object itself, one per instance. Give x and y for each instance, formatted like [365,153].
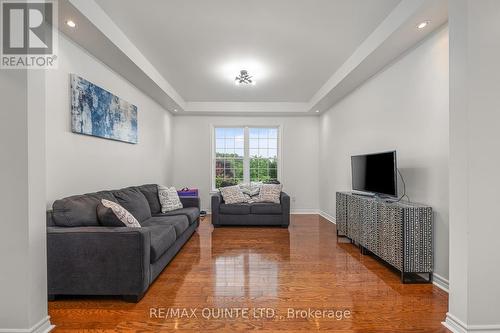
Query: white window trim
[246,158]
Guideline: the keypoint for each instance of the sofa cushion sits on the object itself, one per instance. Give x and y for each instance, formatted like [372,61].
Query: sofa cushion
[162,238]
[179,222]
[265,208]
[79,210]
[134,201]
[235,209]
[192,213]
[150,191]
[111,214]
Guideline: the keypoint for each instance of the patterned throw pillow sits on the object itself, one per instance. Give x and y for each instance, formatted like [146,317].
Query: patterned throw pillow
[169,199]
[233,194]
[121,213]
[270,193]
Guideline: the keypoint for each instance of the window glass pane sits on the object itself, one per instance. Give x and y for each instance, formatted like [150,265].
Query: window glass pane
[219,172]
[272,143]
[219,143]
[219,133]
[238,170]
[254,133]
[263,174]
[262,143]
[254,163]
[254,143]
[273,163]
[239,133]
[229,143]
[238,163]
[219,163]
[228,173]
[219,152]
[229,132]
[273,133]
[254,152]
[253,174]
[263,133]
[239,153]
[239,143]
[262,163]
[272,153]
[273,173]
[264,153]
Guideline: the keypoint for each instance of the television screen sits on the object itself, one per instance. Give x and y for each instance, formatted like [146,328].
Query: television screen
[375,173]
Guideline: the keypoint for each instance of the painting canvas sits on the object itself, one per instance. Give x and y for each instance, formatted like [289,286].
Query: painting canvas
[97,112]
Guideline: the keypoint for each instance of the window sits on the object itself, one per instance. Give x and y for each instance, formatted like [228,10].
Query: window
[244,154]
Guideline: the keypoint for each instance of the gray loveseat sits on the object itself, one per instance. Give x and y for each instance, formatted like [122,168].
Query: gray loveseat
[261,213]
[85,258]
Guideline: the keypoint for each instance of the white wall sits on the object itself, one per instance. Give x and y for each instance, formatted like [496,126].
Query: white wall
[404,107]
[23,276]
[77,163]
[474,302]
[192,162]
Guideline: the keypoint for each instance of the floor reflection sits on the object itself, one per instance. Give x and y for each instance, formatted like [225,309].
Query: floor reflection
[248,274]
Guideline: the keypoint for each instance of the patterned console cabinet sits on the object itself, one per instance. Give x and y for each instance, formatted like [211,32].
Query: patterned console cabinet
[341,215]
[400,233]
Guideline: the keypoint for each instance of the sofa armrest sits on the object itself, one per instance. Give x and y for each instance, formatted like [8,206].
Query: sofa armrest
[216,201]
[285,208]
[190,202]
[98,260]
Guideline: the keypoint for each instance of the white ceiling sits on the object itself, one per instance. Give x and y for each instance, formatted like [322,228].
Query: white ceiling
[292,47]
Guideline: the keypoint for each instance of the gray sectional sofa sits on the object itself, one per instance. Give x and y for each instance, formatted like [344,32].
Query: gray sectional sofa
[85,258]
[261,213]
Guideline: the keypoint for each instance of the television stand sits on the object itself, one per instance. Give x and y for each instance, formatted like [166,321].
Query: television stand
[399,233]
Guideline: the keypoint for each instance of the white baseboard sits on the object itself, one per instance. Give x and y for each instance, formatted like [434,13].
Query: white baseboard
[43,326]
[303,211]
[457,326]
[327,216]
[299,211]
[441,282]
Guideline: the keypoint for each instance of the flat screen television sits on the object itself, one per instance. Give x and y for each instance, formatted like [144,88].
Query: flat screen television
[375,173]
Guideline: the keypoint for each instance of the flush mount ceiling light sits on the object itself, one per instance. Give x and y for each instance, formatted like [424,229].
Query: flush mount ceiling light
[71,23]
[423,24]
[244,78]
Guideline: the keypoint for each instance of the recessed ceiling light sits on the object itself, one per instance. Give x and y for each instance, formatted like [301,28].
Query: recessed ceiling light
[71,23]
[423,24]
[317,111]
[175,110]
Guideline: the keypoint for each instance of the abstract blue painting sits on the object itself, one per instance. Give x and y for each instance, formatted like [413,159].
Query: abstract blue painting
[97,112]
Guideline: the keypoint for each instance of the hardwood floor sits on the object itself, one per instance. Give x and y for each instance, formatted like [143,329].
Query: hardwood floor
[277,270]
